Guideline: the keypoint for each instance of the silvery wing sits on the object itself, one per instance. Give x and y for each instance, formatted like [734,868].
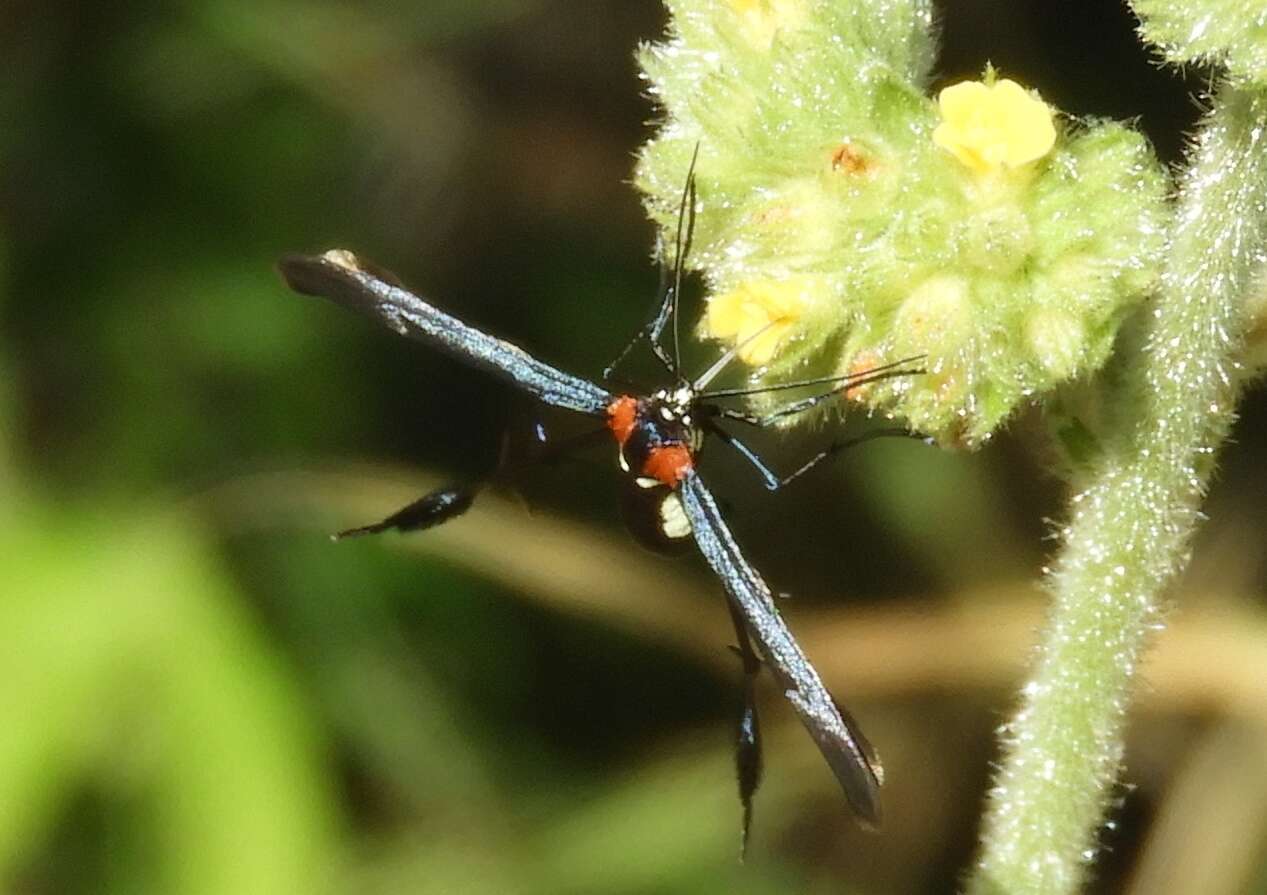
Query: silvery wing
[848,753]
[339,276]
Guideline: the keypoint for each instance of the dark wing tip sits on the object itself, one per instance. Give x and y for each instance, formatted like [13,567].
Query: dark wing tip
[340,276]
[848,754]
[295,267]
[861,786]
[862,789]
[309,273]
[313,274]
[868,813]
[861,779]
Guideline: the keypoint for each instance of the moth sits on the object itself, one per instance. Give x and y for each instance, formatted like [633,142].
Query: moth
[659,436]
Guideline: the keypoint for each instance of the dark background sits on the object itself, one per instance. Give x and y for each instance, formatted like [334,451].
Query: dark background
[203,694]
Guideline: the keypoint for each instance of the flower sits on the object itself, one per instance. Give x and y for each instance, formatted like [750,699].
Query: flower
[994,124]
[756,316]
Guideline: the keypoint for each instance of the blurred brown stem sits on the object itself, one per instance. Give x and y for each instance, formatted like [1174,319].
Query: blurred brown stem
[1206,661]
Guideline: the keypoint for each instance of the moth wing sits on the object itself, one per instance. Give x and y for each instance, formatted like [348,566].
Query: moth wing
[847,752]
[342,278]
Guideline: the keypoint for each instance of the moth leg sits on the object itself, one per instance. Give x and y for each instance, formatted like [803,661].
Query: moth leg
[428,511]
[451,501]
[774,481]
[843,445]
[748,762]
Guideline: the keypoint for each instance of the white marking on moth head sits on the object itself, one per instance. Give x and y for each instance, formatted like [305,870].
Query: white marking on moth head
[673,519]
[643,482]
[624,464]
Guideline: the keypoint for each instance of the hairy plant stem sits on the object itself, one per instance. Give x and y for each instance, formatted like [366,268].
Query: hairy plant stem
[1130,527]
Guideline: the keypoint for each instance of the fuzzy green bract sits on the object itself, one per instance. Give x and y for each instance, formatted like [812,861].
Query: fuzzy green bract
[1231,33]
[817,167]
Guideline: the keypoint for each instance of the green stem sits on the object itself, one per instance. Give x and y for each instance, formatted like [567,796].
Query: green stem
[1130,528]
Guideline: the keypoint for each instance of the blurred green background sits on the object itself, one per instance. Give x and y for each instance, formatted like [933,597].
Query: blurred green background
[199,693]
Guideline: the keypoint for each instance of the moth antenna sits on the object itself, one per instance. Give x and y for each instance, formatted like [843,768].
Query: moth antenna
[701,382]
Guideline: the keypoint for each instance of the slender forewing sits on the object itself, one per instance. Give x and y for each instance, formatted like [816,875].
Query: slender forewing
[847,752]
[340,277]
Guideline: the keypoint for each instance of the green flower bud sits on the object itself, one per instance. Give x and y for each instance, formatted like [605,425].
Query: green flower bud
[1057,339]
[861,222]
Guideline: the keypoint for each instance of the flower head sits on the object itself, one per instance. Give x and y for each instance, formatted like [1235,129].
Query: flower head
[840,227]
[993,124]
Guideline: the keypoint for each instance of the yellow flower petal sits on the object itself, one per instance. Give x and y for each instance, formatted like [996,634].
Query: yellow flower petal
[756,315]
[988,126]
[959,101]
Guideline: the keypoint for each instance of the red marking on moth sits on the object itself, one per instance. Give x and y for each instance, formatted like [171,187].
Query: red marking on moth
[622,416]
[668,465]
